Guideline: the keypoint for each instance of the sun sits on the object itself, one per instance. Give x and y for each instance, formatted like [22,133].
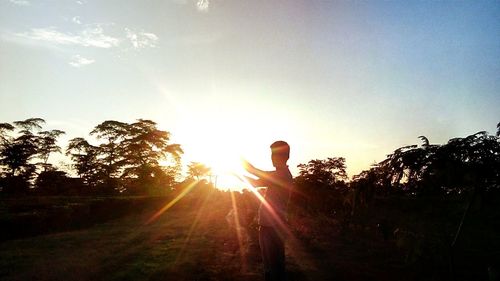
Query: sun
[219,134]
[222,148]
[224,160]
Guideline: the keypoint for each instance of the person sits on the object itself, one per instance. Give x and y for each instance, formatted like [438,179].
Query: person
[273,210]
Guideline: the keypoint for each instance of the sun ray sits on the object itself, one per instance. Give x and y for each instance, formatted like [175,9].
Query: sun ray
[266,205]
[238,232]
[186,190]
[295,247]
[193,226]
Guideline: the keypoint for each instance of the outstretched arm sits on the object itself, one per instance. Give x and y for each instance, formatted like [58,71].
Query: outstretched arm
[252,170]
[255,182]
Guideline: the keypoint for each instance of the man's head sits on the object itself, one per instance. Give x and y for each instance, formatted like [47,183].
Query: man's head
[280,152]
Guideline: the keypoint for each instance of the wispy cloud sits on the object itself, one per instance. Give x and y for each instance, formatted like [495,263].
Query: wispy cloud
[141,40]
[203,5]
[79,61]
[76,20]
[91,36]
[20,2]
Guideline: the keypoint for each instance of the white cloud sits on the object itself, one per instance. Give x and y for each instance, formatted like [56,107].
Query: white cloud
[203,5]
[141,40]
[76,20]
[20,2]
[79,61]
[94,36]
[91,36]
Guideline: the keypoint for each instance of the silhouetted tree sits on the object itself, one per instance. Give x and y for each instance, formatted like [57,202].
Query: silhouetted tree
[29,125]
[323,172]
[110,155]
[5,128]
[52,182]
[5,140]
[460,165]
[132,158]
[322,182]
[143,148]
[17,153]
[198,171]
[409,164]
[47,144]
[86,162]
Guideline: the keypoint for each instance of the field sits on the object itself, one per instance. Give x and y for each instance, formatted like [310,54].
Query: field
[198,239]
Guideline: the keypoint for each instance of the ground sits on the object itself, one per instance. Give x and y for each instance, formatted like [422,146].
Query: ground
[197,239]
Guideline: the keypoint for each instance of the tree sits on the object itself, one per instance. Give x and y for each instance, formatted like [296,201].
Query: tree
[460,165]
[5,128]
[110,156]
[29,125]
[47,144]
[5,140]
[16,154]
[52,182]
[197,170]
[143,149]
[323,172]
[132,157]
[321,183]
[87,165]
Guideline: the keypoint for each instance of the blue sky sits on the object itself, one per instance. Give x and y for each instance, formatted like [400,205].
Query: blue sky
[334,78]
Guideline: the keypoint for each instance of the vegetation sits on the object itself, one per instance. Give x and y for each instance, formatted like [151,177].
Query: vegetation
[426,212]
[128,159]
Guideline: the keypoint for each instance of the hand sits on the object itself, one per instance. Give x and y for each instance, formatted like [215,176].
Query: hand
[247,166]
[254,182]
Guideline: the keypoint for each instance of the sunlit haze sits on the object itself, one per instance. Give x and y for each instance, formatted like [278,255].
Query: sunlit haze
[353,79]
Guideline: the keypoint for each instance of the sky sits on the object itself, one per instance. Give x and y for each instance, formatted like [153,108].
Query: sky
[353,79]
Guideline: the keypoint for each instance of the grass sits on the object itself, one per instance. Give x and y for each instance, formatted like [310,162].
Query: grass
[129,249]
[196,240]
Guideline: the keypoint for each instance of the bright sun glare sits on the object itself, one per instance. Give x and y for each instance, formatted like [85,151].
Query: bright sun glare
[222,148]
[225,162]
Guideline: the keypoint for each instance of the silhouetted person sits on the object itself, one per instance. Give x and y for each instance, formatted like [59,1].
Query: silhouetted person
[272,215]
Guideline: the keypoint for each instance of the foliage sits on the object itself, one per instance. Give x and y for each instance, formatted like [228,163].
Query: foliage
[459,166]
[110,157]
[321,182]
[86,163]
[142,149]
[19,152]
[52,182]
[323,172]
[47,144]
[130,158]
[197,170]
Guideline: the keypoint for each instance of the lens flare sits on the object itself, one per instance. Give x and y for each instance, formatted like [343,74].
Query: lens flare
[186,190]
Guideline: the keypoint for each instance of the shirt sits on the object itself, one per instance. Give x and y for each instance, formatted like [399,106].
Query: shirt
[279,185]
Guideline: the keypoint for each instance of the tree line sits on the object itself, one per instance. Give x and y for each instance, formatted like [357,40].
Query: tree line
[463,166]
[131,158]
[127,157]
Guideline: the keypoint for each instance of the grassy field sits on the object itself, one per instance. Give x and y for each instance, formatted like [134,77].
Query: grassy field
[197,240]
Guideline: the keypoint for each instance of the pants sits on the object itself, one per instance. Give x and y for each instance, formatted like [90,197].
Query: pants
[272,247]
